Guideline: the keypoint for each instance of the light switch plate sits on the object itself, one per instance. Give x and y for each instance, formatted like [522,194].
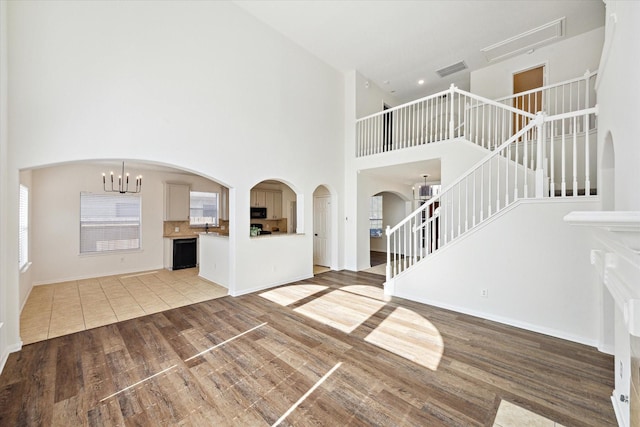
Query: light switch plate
[176,230]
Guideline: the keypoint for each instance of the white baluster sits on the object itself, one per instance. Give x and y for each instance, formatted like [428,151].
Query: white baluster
[575,156]
[474,199]
[563,186]
[539,161]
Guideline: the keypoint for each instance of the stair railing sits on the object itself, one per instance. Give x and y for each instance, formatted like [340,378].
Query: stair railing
[558,98]
[462,205]
[548,151]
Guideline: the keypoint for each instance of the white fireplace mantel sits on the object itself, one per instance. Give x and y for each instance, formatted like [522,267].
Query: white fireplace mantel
[618,263]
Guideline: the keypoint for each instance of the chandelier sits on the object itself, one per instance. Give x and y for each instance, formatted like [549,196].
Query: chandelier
[123,183]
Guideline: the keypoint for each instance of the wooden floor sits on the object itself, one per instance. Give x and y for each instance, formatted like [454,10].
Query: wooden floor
[284,358]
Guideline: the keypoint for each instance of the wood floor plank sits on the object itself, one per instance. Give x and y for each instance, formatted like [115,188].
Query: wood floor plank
[248,360]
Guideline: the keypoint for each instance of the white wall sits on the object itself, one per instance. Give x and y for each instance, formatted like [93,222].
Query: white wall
[9,280]
[532,264]
[55,224]
[564,60]
[619,105]
[370,97]
[202,86]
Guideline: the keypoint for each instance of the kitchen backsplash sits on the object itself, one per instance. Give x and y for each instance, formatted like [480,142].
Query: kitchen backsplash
[184,229]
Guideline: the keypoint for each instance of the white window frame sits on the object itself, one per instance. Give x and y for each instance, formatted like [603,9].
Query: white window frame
[375,216]
[202,221]
[108,223]
[23,240]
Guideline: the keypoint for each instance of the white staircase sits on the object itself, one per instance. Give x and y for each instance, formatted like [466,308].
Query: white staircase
[529,156]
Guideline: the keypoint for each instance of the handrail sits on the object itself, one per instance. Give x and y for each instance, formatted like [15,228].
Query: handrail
[462,177]
[535,162]
[453,89]
[398,107]
[587,75]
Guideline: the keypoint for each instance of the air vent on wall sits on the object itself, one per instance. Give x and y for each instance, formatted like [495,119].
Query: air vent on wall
[528,40]
[453,68]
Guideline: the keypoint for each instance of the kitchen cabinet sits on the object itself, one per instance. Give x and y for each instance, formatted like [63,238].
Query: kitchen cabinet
[258,198]
[272,200]
[176,202]
[274,204]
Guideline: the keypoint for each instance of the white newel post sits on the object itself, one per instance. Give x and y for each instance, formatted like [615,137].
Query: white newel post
[388,269]
[388,284]
[585,124]
[540,160]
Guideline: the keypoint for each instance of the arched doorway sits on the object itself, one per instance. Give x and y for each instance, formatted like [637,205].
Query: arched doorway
[607,181]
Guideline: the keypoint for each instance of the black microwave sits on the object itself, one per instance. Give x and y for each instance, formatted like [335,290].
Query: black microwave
[258,213]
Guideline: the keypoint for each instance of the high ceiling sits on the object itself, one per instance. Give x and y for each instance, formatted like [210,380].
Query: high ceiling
[397,43]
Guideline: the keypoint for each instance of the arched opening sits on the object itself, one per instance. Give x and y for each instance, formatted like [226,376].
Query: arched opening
[273,209]
[386,209]
[607,181]
[105,247]
[322,230]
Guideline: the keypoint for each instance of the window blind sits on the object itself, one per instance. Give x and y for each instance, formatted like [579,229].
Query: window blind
[23,239]
[203,208]
[109,222]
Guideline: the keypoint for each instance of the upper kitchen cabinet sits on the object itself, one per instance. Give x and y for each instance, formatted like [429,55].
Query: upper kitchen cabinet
[258,198]
[274,204]
[176,202]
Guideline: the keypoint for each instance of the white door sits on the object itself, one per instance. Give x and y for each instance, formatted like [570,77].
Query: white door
[321,231]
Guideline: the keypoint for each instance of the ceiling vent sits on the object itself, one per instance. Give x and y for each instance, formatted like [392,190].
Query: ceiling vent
[528,40]
[453,68]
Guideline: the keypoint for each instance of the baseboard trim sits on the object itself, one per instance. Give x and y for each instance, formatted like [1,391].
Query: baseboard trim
[7,351]
[271,285]
[504,320]
[116,273]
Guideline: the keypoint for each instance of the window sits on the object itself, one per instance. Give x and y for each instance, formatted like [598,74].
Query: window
[109,222]
[203,208]
[375,217]
[23,240]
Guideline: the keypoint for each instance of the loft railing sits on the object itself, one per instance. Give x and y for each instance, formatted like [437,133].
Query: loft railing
[454,113]
[450,114]
[559,98]
[549,152]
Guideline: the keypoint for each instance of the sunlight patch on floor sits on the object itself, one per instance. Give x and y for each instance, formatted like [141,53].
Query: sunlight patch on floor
[411,336]
[290,294]
[341,310]
[510,415]
[366,291]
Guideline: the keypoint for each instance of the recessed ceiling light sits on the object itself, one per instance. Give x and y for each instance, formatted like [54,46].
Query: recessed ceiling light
[386,82]
[420,82]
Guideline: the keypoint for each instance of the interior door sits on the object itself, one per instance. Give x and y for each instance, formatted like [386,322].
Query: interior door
[531,103]
[321,231]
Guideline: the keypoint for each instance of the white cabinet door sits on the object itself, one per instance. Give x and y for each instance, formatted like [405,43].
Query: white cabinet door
[269,204]
[277,205]
[176,202]
[258,199]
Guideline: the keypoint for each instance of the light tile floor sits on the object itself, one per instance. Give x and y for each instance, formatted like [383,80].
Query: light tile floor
[510,415]
[64,308]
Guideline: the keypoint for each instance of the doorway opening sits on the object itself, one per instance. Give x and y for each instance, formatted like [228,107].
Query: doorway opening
[531,102]
[322,229]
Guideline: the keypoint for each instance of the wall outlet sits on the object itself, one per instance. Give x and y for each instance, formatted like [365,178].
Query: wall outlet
[484,293]
[222,227]
[176,230]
